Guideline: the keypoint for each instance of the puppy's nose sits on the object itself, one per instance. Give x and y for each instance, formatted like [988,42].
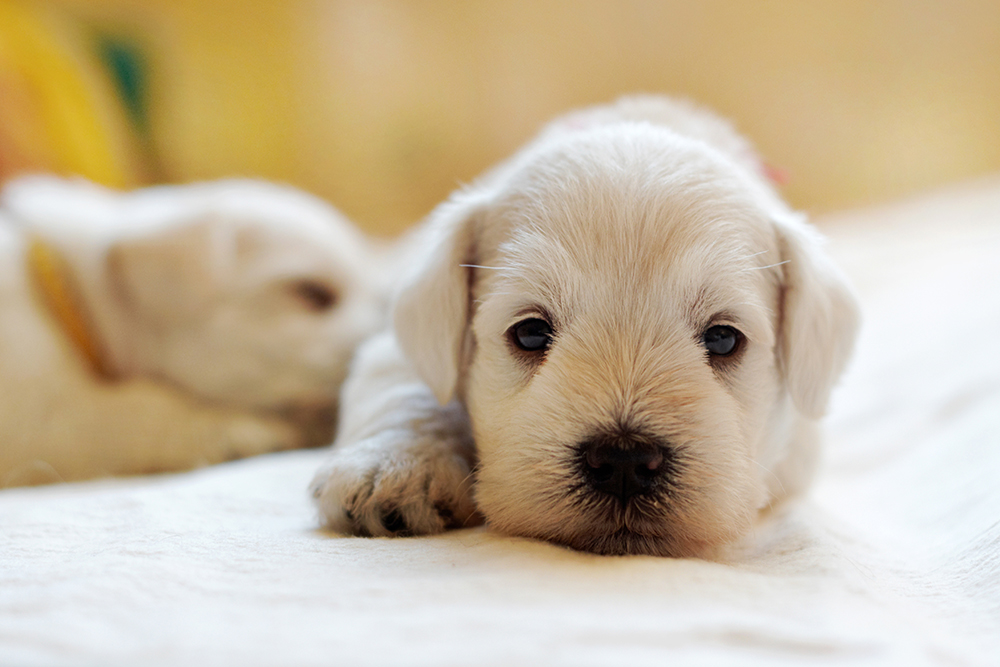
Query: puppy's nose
[622,468]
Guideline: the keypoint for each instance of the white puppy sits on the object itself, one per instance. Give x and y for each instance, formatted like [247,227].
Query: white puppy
[171,326]
[619,341]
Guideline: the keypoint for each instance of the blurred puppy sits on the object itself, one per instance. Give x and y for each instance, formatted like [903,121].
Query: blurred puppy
[171,326]
[619,341]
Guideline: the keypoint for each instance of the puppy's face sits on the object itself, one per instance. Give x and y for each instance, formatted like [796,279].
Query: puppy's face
[624,353]
[258,299]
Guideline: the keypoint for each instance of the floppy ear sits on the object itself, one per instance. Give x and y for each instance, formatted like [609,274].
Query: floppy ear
[175,273]
[53,201]
[431,310]
[819,319]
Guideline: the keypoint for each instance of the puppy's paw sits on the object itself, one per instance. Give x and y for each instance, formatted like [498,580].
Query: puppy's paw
[377,488]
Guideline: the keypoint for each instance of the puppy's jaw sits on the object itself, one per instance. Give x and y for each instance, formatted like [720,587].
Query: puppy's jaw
[683,516]
[678,518]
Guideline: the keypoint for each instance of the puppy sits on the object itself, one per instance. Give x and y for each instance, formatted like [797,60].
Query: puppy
[619,341]
[172,326]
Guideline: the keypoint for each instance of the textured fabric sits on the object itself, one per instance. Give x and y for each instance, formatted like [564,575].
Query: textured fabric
[893,558]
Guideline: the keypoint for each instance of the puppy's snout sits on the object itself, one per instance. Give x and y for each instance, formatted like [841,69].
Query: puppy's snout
[622,468]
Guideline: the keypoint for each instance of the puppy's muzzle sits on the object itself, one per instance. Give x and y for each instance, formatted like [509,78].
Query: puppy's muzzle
[624,466]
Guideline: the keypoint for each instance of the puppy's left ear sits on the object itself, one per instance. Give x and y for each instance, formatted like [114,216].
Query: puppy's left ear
[819,319]
[431,311]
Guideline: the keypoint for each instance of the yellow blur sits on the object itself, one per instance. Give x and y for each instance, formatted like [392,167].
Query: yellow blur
[385,106]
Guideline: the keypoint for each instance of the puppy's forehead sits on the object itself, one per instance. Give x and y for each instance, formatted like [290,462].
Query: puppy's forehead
[630,208]
[628,183]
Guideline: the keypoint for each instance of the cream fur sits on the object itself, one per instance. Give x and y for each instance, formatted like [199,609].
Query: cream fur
[194,294]
[631,228]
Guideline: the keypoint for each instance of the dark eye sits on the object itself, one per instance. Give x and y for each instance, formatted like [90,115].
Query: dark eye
[532,335]
[317,296]
[720,340]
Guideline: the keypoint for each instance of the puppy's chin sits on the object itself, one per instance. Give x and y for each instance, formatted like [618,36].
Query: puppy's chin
[625,542]
[691,516]
[630,531]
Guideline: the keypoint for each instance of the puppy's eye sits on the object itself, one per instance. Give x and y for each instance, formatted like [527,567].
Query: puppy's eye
[531,335]
[317,297]
[721,340]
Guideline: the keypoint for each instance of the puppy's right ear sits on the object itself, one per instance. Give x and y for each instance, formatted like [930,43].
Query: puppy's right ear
[431,311]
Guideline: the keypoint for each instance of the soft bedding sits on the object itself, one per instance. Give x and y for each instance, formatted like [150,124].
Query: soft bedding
[894,558]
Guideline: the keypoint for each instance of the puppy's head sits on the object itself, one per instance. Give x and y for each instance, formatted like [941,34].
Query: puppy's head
[257,298]
[240,292]
[633,323]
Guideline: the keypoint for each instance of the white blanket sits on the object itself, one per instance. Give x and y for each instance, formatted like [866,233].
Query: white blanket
[894,557]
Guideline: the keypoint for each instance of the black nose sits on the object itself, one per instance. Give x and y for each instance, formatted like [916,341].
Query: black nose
[623,467]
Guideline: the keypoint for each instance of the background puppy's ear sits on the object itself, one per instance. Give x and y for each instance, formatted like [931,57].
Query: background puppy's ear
[819,319]
[172,274]
[431,311]
[59,205]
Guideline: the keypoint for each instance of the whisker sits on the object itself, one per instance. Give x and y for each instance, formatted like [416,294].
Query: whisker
[776,479]
[468,489]
[769,266]
[478,266]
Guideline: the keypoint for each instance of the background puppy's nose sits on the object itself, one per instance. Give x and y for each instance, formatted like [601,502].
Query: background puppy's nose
[622,468]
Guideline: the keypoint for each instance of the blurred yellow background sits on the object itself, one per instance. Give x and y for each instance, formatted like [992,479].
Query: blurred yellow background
[383,107]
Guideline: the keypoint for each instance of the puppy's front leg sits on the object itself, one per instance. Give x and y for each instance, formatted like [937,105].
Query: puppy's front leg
[402,464]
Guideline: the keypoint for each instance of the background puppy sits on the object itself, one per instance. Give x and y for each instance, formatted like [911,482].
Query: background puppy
[172,326]
[622,335]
